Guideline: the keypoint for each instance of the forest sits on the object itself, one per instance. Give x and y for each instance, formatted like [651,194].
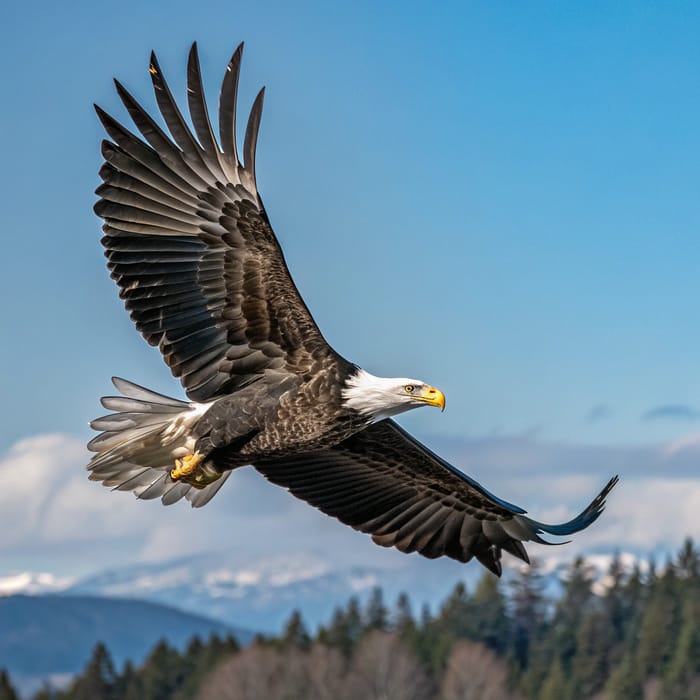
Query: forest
[636,636]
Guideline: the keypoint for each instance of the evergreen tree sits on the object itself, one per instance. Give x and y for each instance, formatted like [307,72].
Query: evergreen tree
[658,629]
[688,564]
[437,636]
[405,624]
[683,678]
[454,617]
[614,601]
[633,601]
[559,641]
[376,614]
[163,673]
[590,665]
[528,624]
[488,619]
[626,682]
[426,617]
[128,684]
[97,682]
[7,692]
[353,620]
[295,633]
[570,610]
[336,634]
[554,686]
[47,693]
[344,630]
[403,616]
[198,661]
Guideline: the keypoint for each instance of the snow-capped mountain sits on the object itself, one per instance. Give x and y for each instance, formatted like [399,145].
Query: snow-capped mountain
[31,583]
[260,595]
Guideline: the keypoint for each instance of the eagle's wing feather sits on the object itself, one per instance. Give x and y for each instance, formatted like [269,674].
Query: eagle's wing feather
[190,245]
[384,482]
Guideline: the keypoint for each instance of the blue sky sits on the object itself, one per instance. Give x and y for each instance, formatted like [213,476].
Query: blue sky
[499,199]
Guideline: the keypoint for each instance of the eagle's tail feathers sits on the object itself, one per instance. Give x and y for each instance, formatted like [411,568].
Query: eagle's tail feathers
[139,444]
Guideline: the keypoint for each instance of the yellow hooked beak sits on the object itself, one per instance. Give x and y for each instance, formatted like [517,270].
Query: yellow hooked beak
[432,396]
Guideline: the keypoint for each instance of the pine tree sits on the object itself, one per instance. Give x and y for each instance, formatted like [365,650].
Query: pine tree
[658,629]
[198,661]
[47,693]
[7,692]
[688,564]
[353,620]
[454,617]
[403,616]
[626,682]
[683,677]
[163,673]
[336,634]
[528,612]
[128,684]
[437,636]
[376,614]
[488,619]
[295,633]
[559,641]
[554,686]
[614,600]
[97,682]
[570,610]
[634,595]
[590,665]
[426,617]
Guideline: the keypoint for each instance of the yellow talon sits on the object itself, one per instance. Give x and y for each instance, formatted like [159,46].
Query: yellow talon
[186,466]
[189,470]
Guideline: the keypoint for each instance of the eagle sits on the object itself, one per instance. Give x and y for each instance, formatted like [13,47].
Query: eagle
[204,279]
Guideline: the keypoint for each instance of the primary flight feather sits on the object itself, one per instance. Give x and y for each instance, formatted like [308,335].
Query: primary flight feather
[203,277]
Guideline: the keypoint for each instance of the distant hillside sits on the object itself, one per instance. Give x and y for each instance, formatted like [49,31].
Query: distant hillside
[261,594]
[55,634]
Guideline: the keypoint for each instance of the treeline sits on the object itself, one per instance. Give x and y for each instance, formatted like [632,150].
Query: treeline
[637,637]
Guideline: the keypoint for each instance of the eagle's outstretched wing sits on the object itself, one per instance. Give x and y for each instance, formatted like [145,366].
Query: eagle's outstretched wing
[190,245]
[384,482]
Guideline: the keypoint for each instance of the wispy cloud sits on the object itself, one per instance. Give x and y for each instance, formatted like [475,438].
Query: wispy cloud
[599,412]
[671,411]
[53,519]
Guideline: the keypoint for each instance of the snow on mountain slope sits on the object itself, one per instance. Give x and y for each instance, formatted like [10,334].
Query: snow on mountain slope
[261,594]
[31,583]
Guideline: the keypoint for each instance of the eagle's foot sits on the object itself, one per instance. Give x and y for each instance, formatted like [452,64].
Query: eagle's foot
[186,466]
[189,469]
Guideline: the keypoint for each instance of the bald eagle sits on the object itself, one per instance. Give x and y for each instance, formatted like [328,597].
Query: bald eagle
[204,279]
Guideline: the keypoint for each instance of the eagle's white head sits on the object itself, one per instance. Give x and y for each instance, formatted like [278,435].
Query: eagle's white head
[383,397]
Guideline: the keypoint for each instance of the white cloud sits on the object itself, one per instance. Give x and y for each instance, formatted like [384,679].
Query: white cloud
[685,443]
[50,512]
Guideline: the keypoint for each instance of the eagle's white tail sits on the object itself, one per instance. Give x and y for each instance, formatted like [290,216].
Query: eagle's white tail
[139,443]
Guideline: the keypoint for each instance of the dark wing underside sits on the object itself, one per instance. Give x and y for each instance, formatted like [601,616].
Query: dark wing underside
[190,245]
[383,482]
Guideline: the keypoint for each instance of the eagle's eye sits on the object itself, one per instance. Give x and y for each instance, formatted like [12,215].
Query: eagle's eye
[409,388]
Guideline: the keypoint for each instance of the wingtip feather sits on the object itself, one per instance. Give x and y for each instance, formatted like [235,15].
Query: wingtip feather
[585,518]
[251,133]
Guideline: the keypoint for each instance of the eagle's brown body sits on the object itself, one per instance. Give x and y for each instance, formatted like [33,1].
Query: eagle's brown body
[279,416]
